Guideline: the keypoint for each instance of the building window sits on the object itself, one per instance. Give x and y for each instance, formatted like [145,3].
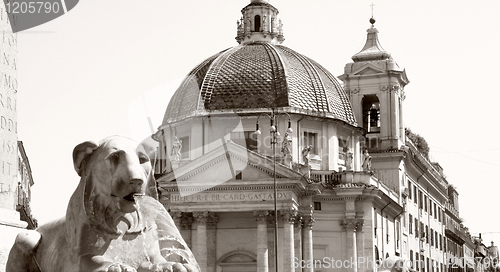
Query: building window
[417,258]
[415,191]
[411,223]
[440,241]
[411,258]
[430,207]
[311,138]
[397,234]
[409,190]
[247,139]
[317,206]
[422,259]
[420,202]
[425,203]
[435,211]
[416,227]
[185,147]
[371,113]
[436,240]
[422,230]
[427,234]
[257,23]
[377,256]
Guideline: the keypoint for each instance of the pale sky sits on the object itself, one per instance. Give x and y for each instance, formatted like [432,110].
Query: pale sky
[81,77]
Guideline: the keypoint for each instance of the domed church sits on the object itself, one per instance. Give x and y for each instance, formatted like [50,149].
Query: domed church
[266,158]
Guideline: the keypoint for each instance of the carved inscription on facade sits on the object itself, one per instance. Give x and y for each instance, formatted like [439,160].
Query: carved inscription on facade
[228,197]
[8,111]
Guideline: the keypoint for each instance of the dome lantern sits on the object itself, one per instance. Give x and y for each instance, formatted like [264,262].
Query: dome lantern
[372,49]
[259,22]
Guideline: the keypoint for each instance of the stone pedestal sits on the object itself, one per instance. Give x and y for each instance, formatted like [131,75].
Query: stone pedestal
[10,226]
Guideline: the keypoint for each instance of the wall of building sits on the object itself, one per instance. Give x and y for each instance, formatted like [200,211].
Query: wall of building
[8,113]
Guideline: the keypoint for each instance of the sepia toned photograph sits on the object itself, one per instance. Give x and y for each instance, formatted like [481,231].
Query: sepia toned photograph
[249,136]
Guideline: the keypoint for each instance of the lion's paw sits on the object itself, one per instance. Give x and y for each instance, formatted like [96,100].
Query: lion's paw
[117,267]
[169,267]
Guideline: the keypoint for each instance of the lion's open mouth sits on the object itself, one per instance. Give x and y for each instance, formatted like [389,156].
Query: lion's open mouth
[131,196]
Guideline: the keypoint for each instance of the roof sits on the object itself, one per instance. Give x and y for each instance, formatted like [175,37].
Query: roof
[255,76]
[372,49]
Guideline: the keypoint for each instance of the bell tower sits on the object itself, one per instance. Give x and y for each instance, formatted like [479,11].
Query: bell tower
[259,22]
[375,85]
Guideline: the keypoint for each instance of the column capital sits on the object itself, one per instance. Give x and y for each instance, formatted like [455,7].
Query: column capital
[186,221]
[352,224]
[261,216]
[270,219]
[212,220]
[308,222]
[288,215]
[298,221]
[175,214]
[200,217]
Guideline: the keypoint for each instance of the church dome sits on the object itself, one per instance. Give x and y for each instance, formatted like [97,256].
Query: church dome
[259,74]
[256,76]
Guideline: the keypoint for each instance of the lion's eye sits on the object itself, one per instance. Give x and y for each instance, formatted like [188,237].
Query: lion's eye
[113,157]
[143,158]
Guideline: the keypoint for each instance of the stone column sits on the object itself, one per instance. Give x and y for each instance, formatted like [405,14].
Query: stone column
[185,228]
[211,242]
[307,254]
[288,244]
[360,244]
[262,250]
[350,225]
[297,233]
[200,251]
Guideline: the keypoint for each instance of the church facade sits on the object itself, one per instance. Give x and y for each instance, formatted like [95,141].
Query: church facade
[267,159]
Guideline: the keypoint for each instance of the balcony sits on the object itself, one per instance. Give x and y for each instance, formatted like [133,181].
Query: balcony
[449,207]
[451,230]
[334,178]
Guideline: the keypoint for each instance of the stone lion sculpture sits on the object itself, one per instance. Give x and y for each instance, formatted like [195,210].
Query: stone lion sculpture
[113,223]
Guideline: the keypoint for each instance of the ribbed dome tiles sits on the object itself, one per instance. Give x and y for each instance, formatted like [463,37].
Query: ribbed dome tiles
[256,76]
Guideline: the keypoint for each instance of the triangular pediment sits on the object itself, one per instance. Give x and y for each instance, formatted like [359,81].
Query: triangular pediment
[229,162]
[368,69]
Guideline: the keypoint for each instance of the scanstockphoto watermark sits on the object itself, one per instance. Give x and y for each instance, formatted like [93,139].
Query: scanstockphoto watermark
[330,262]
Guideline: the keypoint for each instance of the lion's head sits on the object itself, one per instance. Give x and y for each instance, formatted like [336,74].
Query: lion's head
[114,173]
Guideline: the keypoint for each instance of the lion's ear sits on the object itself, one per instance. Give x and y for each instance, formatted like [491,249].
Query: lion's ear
[81,153]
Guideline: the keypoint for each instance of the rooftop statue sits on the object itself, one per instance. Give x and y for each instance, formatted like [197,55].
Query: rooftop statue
[113,221]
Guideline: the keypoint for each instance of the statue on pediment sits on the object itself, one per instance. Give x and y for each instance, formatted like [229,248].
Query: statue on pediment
[176,149]
[349,159]
[367,161]
[286,149]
